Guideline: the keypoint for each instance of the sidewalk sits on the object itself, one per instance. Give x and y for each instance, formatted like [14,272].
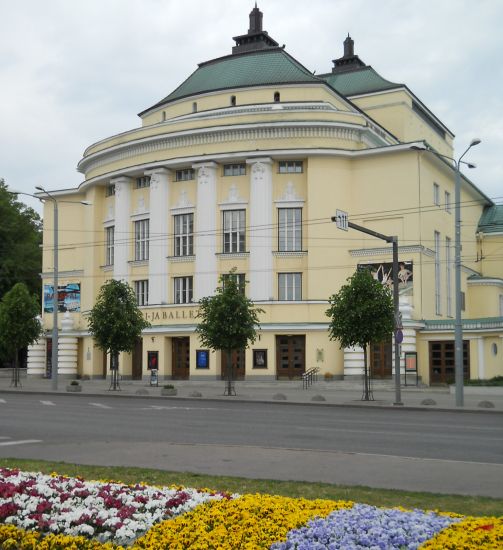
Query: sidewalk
[335,393]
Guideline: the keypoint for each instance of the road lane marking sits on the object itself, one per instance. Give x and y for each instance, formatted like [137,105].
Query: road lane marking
[100,405]
[166,407]
[19,442]
[50,403]
[4,437]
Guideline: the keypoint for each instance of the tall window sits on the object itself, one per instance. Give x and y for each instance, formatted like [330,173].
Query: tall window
[109,245]
[436,194]
[235,169]
[142,182]
[183,290]
[141,238]
[448,275]
[437,273]
[289,286]
[290,166]
[184,235]
[141,291]
[448,202]
[289,229]
[234,231]
[184,175]
[239,279]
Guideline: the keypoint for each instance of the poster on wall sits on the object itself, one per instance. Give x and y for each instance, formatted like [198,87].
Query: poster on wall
[383,272]
[68,298]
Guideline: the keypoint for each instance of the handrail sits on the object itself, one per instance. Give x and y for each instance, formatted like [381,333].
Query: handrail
[309,377]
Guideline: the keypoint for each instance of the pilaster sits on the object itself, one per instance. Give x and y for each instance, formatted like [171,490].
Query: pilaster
[206,230]
[122,232]
[261,236]
[158,275]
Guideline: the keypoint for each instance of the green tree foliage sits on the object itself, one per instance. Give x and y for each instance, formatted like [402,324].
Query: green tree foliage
[115,321]
[20,240]
[19,325]
[228,319]
[361,313]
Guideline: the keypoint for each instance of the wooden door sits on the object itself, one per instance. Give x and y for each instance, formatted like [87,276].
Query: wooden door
[180,358]
[290,357]
[137,360]
[381,359]
[442,364]
[237,364]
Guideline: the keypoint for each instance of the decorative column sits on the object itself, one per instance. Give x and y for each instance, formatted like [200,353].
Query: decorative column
[261,237]
[122,232]
[206,230]
[36,358]
[67,348]
[159,220]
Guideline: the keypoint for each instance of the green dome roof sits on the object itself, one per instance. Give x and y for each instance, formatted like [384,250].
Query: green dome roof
[360,81]
[491,220]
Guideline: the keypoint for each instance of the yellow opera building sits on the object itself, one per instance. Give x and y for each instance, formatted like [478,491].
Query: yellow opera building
[243,166]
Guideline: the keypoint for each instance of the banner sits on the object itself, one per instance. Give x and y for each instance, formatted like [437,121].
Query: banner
[383,272]
[68,298]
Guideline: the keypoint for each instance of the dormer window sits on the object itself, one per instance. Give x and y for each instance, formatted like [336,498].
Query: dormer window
[276,97]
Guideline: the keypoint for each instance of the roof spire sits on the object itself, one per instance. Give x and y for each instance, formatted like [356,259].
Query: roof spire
[256,38]
[349,61]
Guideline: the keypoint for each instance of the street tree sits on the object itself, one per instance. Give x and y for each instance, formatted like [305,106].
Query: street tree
[116,322]
[229,321]
[20,240]
[361,313]
[19,324]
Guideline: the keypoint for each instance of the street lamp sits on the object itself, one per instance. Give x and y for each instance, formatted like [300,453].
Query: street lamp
[458,327]
[55,334]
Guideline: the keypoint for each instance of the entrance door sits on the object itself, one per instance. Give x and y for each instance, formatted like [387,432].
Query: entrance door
[381,358]
[137,360]
[290,356]
[180,358]
[237,364]
[442,369]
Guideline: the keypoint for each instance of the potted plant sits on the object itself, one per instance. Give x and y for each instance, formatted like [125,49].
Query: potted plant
[168,389]
[74,386]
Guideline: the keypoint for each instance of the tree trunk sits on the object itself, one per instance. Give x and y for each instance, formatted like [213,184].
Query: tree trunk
[367,391]
[114,367]
[15,374]
[229,388]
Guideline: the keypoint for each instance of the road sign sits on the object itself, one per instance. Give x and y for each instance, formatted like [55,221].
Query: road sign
[399,336]
[341,220]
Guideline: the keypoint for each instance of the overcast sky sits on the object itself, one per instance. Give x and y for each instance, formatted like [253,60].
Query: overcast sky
[74,72]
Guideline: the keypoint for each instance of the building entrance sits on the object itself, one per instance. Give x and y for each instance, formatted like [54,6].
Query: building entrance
[237,364]
[381,358]
[180,358]
[137,360]
[442,369]
[290,357]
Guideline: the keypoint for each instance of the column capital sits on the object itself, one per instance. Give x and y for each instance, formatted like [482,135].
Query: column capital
[161,171]
[260,160]
[121,180]
[208,164]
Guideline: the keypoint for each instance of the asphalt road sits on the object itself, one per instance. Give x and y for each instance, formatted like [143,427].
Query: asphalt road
[447,452]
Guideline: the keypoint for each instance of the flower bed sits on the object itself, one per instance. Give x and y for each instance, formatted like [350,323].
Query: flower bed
[56,512]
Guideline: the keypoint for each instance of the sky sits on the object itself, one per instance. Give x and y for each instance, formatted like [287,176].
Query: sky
[75,72]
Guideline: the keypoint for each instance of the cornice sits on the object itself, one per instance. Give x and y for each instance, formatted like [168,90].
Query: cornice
[73,273]
[486,282]
[224,134]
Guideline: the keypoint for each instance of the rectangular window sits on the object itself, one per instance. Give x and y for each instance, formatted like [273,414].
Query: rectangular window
[436,194]
[185,175]
[289,229]
[183,290]
[448,274]
[448,202]
[141,291]
[234,231]
[437,274]
[141,240]
[235,169]
[290,286]
[142,182]
[239,278]
[290,167]
[110,190]
[109,245]
[184,234]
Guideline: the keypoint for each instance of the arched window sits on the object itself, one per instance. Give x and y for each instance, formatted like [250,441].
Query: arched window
[164,116]
[194,107]
[276,97]
[233,100]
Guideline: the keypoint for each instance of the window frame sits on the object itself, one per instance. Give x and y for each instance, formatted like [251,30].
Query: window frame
[234,231]
[240,279]
[183,289]
[141,240]
[447,202]
[185,174]
[109,245]
[289,230]
[290,167]
[293,288]
[110,190]
[438,296]
[436,194]
[235,169]
[142,182]
[141,292]
[183,231]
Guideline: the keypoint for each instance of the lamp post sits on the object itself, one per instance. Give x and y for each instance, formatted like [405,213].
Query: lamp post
[458,326]
[55,333]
